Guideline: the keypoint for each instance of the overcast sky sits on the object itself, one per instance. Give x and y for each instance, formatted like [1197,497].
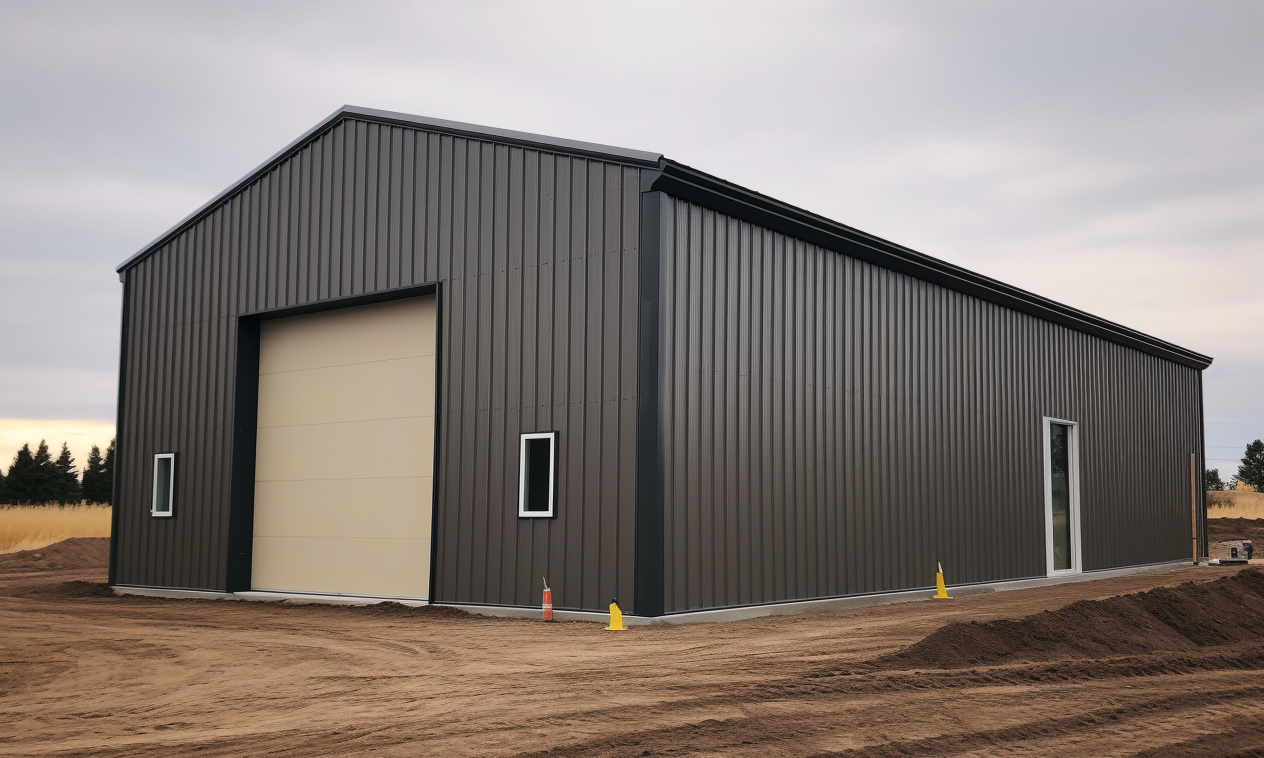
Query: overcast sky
[1106,155]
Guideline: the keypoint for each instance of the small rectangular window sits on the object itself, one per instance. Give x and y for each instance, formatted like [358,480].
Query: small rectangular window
[164,484]
[537,467]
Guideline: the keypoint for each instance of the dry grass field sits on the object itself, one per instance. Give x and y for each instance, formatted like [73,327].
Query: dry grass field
[1235,504]
[26,527]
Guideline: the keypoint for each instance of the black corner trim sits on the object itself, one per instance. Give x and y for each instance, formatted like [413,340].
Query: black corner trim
[1203,545]
[650,524]
[115,503]
[702,189]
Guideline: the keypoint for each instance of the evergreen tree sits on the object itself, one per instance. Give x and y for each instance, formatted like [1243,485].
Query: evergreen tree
[92,473]
[23,481]
[4,488]
[1252,469]
[1211,479]
[45,490]
[65,480]
[107,475]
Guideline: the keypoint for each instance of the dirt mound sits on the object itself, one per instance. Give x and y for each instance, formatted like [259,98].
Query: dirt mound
[1224,529]
[74,553]
[428,611]
[1190,616]
[65,590]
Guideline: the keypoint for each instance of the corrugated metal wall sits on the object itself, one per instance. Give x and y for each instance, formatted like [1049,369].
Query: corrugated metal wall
[834,428]
[537,259]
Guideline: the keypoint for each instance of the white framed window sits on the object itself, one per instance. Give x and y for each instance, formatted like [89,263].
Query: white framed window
[1062,496]
[537,475]
[164,484]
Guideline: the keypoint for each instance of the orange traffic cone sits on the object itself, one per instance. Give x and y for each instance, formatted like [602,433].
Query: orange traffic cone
[548,601]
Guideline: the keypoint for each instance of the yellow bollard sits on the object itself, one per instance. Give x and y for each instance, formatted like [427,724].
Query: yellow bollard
[941,592]
[616,617]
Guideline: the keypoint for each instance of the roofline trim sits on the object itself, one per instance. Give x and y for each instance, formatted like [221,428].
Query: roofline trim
[679,180]
[689,184]
[455,128]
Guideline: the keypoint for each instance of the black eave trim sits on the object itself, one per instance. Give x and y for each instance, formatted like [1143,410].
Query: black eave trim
[702,189]
[689,184]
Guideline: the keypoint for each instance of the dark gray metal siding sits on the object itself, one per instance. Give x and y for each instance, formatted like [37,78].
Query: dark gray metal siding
[833,427]
[536,255]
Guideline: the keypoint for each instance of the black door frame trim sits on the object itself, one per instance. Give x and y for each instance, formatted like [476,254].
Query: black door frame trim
[241,512]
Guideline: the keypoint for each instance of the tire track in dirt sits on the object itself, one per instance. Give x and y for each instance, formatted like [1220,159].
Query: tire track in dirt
[1242,737]
[278,679]
[754,733]
[835,687]
[994,739]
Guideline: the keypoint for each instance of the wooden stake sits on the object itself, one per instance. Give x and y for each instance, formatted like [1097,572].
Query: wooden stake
[1193,503]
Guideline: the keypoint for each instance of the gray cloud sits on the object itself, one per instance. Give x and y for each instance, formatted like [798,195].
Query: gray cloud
[1106,155]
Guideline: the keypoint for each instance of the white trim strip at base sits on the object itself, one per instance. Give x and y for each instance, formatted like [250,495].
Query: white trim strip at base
[519,612]
[816,606]
[123,589]
[687,617]
[889,598]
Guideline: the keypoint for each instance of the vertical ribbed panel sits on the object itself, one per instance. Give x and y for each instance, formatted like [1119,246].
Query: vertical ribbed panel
[834,428]
[536,256]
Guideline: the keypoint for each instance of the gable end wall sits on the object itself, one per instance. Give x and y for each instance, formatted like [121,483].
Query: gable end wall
[536,259]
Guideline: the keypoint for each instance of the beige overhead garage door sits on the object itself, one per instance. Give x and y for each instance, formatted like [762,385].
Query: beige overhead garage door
[345,451]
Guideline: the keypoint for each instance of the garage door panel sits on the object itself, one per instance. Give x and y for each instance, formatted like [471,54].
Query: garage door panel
[370,508]
[298,565]
[381,448]
[395,567]
[395,388]
[349,566]
[345,451]
[399,329]
[427,390]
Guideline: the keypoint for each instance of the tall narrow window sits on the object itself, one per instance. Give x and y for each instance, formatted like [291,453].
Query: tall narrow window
[1060,475]
[164,484]
[537,469]
[1062,501]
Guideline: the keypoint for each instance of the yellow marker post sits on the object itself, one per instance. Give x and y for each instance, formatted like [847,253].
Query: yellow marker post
[616,617]
[941,592]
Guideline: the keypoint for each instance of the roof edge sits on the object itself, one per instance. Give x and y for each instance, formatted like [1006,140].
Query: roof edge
[352,112]
[690,184]
[693,185]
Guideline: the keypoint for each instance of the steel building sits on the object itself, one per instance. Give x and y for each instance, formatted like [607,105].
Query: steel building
[414,358]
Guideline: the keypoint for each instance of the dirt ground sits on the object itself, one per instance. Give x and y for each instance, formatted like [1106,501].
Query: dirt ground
[1172,672]
[1219,529]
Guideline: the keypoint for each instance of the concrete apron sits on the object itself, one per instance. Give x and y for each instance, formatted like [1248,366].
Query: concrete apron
[688,617]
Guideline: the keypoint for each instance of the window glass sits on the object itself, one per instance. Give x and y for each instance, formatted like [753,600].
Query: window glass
[1060,470]
[537,474]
